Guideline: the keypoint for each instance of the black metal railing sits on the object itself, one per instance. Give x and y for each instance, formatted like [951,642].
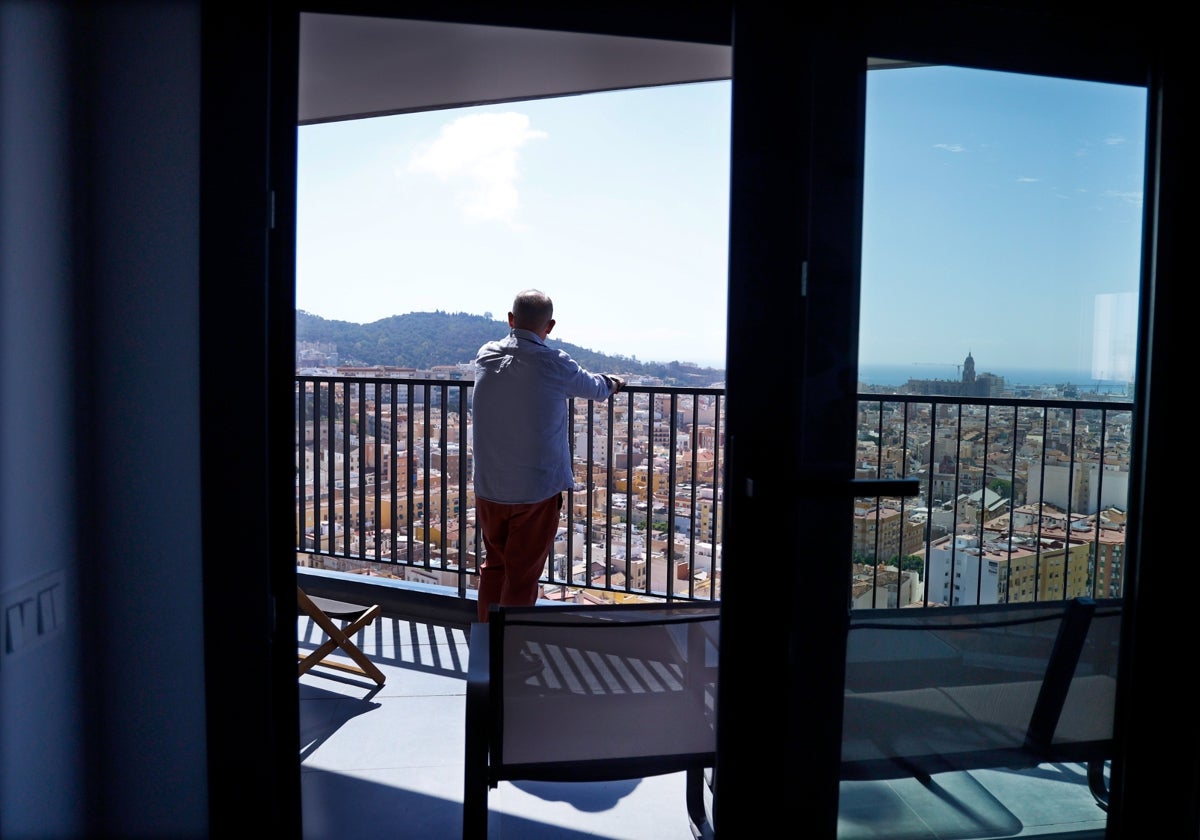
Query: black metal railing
[383,481]
[1021,499]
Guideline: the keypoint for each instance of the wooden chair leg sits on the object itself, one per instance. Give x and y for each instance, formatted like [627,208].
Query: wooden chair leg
[339,637]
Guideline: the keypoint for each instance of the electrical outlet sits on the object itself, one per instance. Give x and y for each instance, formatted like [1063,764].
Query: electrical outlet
[32,614]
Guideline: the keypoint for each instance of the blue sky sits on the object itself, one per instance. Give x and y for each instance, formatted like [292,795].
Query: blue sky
[1001,213]
[614,204]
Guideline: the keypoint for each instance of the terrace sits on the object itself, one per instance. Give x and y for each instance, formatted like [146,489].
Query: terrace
[392,756]
[1019,500]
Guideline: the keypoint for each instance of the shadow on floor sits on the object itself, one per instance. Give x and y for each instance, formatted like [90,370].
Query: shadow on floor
[337,806]
[592,797]
[323,712]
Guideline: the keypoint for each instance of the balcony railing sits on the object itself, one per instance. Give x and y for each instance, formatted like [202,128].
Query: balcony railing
[1021,500]
[384,485]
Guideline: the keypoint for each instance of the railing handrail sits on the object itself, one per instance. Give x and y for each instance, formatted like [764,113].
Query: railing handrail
[356,451]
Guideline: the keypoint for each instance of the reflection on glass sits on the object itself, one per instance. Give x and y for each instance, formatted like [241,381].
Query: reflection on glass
[1000,274]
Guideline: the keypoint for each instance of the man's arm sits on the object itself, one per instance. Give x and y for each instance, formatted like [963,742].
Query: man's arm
[576,381]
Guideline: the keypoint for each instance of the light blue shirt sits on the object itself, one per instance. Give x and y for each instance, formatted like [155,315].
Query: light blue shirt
[519,422]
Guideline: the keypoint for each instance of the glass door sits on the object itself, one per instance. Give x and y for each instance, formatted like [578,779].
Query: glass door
[1001,258]
[877,216]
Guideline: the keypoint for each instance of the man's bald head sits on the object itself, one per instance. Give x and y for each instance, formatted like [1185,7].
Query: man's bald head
[532,310]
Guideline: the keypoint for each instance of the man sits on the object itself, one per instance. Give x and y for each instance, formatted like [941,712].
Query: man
[522,456]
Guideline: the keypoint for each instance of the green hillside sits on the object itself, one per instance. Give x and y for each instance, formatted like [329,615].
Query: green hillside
[424,339]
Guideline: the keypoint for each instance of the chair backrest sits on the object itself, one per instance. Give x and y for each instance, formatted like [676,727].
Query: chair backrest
[625,690]
[979,686]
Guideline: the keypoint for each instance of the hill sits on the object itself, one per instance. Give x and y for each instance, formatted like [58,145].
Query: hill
[424,339]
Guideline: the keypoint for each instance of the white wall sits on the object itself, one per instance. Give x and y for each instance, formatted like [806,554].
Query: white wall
[42,719]
[102,714]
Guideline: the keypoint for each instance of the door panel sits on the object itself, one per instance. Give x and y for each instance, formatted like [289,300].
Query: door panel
[800,241]
[794,249]
[1001,211]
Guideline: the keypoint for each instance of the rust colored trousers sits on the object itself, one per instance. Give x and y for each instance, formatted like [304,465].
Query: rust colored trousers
[517,540]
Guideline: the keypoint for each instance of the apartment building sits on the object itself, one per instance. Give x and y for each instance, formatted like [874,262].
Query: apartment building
[885,533]
[1104,534]
[965,569]
[1082,486]
[884,587]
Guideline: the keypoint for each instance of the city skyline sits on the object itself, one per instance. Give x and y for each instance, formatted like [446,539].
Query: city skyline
[1038,195]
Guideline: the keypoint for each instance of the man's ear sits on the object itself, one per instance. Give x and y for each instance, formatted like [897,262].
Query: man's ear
[510,319]
[549,326]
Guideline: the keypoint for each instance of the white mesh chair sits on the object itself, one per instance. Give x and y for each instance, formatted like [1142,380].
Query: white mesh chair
[621,692]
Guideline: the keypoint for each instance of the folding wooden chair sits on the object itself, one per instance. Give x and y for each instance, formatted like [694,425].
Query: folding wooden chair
[327,613]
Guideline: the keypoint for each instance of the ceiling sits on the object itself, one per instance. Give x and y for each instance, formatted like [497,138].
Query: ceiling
[353,67]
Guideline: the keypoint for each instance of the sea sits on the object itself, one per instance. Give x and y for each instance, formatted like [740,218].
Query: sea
[1081,379]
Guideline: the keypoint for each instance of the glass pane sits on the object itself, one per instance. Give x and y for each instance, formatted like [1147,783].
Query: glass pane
[1002,230]
[1001,257]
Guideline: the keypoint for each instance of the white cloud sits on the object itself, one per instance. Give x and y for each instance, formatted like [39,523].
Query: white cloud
[950,147]
[1134,198]
[479,154]
[1114,140]
[1025,179]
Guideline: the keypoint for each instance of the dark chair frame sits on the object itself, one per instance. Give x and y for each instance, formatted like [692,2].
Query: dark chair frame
[1061,700]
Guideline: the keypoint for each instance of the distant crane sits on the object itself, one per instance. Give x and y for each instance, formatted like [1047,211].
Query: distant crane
[957,367]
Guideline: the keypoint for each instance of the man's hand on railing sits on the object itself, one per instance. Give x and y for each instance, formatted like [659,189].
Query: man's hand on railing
[616,383]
